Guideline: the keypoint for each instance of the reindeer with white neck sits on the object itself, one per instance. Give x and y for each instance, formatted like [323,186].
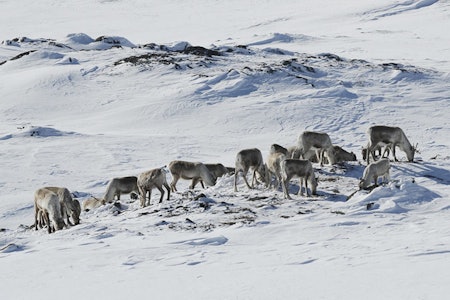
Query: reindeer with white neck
[391,137]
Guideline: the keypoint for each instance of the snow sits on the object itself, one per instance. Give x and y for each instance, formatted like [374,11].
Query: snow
[93,90]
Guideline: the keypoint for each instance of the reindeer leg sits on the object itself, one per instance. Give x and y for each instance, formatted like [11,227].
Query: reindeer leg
[302,182]
[142,193]
[168,190]
[393,152]
[194,183]
[285,183]
[370,151]
[149,196]
[174,183]
[244,174]
[162,193]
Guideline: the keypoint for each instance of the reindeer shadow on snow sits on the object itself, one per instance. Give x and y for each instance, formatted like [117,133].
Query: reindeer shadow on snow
[425,169]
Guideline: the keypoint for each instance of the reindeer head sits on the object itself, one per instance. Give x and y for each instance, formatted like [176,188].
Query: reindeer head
[413,151]
[263,174]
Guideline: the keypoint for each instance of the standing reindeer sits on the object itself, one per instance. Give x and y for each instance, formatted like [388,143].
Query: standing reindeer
[196,171]
[217,170]
[69,206]
[301,168]
[120,185]
[392,136]
[47,210]
[319,141]
[155,178]
[250,159]
[274,165]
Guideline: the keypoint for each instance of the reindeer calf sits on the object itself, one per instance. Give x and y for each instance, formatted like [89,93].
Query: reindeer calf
[373,171]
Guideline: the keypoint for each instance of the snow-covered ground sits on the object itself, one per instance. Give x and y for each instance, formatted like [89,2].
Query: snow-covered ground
[92,90]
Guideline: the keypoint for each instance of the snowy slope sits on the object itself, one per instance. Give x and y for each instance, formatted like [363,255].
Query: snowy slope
[113,88]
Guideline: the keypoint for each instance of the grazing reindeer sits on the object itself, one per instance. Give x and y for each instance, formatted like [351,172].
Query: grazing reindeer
[393,136]
[274,165]
[69,206]
[250,159]
[155,178]
[217,170]
[190,170]
[342,155]
[319,141]
[301,168]
[120,185]
[93,203]
[373,171]
[339,153]
[47,209]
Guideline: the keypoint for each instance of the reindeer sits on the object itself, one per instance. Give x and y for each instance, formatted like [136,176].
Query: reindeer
[275,148]
[217,170]
[373,171]
[274,165]
[190,170]
[93,203]
[383,153]
[301,168]
[250,159]
[392,136]
[339,153]
[69,206]
[47,209]
[120,185]
[319,141]
[155,178]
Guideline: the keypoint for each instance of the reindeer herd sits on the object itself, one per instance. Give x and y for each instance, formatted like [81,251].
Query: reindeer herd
[54,206]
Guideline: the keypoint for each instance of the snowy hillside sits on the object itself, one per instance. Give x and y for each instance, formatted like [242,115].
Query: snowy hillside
[105,89]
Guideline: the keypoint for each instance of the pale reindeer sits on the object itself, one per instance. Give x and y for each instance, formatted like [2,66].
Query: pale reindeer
[93,203]
[70,208]
[195,171]
[374,170]
[47,209]
[301,168]
[217,170]
[392,136]
[250,159]
[155,178]
[319,141]
[121,185]
[274,165]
